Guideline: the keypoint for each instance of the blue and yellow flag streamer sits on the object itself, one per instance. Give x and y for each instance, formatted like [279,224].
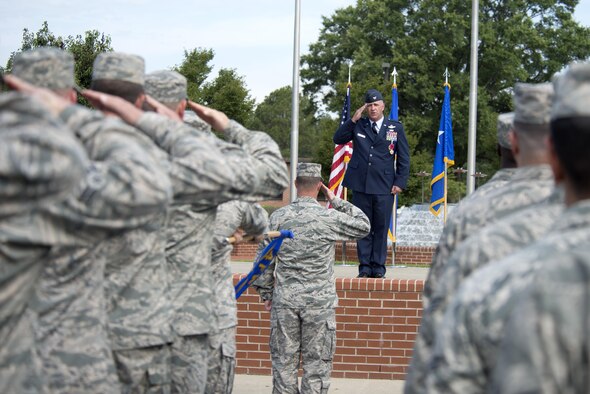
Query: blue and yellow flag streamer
[444,157]
[393,115]
[262,262]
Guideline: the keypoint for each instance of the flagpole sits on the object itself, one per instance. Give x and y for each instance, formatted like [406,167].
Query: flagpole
[472,133]
[445,203]
[393,218]
[345,189]
[295,103]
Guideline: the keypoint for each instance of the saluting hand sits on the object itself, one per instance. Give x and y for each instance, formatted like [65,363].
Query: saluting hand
[113,104]
[328,193]
[161,108]
[54,103]
[217,119]
[358,113]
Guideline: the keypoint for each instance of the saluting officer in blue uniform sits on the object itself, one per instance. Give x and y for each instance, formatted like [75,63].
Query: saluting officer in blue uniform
[374,176]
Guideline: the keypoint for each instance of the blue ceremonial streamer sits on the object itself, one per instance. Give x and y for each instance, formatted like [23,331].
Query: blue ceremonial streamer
[445,153]
[262,262]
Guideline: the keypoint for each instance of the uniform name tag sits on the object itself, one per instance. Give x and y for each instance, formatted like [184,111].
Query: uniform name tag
[361,135]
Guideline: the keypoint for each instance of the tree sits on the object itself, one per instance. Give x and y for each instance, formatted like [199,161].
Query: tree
[195,68]
[520,41]
[273,116]
[228,93]
[84,48]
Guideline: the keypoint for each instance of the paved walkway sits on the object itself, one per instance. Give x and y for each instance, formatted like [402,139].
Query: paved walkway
[351,271]
[255,384]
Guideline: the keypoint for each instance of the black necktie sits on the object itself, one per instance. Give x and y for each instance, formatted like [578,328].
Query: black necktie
[375,129]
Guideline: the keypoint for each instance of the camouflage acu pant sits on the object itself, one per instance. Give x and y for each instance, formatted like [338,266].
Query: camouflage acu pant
[309,333]
[19,365]
[189,363]
[78,364]
[222,361]
[145,370]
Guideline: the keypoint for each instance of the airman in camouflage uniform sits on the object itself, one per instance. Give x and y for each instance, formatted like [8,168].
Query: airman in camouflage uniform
[547,349]
[136,274]
[492,242]
[474,325]
[300,287]
[249,167]
[531,183]
[231,216]
[170,88]
[41,162]
[125,191]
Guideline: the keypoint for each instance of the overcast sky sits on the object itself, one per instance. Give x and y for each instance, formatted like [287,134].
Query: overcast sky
[253,36]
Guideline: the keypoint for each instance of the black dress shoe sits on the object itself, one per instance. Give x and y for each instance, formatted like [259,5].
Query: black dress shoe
[379,276]
[363,275]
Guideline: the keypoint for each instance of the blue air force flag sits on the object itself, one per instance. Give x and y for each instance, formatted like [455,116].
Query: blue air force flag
[445,154]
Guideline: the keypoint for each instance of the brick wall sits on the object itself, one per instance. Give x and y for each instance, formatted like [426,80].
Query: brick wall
[377,322]
[421,255]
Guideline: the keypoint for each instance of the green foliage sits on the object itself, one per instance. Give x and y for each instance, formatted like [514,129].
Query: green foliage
[520,41]
[323,152]
[228,93]
[273,116]
[84,48]
[195,68]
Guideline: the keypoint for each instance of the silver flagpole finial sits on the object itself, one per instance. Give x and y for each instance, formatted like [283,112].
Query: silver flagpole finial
[446,75]
[394,74]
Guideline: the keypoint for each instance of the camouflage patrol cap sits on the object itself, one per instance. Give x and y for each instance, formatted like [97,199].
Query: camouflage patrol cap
[119,66]
[166,86]
[46,67]
[311,170]
[504,126]
[572,92]
[532,103]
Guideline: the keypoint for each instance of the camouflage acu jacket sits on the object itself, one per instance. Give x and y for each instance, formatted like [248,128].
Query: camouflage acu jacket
[528,185]
[302,274]
[41,162]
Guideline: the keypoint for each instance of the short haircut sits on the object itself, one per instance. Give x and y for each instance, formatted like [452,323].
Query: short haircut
[307,182]
[571,138]
[531,137]
[126,90]
[506,157]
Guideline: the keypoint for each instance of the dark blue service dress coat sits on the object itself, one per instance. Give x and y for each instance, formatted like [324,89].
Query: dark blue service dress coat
[371,169]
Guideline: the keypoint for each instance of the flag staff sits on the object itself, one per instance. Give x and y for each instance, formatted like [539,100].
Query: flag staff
[345,189]
[472,133]
[393,115]
[295,103]
[446,75]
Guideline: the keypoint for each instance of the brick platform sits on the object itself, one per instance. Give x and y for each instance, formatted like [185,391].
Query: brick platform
[377,322]
[420,255]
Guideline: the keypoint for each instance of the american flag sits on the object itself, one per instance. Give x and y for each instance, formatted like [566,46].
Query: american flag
[342,153]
